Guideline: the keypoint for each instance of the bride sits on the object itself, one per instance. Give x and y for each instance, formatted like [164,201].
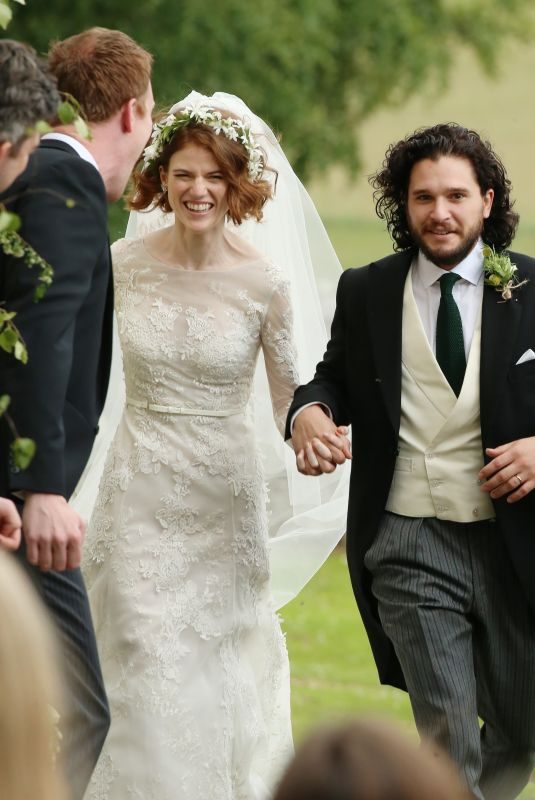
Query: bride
[178,557]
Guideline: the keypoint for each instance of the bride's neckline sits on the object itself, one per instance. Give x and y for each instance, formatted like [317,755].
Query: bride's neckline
[211,271]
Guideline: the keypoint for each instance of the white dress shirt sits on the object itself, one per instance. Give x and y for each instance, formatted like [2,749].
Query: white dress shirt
[76,145]
[467,292]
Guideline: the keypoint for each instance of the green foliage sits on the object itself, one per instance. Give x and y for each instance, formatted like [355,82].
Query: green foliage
[14,245]
[10,339]
[9,222]
[22,451]
[70,113]
[6,14]
[498,266]
[313,70]
[4,403]
[500,272]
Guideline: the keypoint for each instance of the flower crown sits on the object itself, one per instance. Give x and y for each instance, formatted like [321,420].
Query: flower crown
[234,129]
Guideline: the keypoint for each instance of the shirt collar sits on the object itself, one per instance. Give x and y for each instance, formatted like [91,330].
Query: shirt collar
[76,145]
[470,268]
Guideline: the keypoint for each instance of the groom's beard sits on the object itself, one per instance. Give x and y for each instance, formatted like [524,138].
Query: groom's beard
[448,258]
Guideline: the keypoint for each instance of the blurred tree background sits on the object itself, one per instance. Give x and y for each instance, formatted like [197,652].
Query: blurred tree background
[314,69]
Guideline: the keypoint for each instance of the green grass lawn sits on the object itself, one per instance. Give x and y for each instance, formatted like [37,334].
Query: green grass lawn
[333,672]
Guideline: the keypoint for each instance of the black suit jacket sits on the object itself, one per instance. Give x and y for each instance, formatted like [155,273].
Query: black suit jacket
[360,380]
[57,397]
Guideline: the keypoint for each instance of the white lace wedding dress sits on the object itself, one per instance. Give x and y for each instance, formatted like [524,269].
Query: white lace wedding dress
[176,563]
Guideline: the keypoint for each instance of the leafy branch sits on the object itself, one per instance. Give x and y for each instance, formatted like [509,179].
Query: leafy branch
[11,341]
[69,112]
[12,244]
[22,449]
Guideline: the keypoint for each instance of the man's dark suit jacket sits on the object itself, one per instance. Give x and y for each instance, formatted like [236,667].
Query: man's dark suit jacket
[57,397]
[360,380]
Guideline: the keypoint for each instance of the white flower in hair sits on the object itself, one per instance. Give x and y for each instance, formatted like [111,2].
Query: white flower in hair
[198,110]
[231,133]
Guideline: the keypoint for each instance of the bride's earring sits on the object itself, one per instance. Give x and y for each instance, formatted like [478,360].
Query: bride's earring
[164,187]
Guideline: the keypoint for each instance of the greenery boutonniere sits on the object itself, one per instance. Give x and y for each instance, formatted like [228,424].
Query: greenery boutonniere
[500,272]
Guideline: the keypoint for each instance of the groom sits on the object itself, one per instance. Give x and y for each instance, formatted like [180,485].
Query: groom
[56,398]
[435,370]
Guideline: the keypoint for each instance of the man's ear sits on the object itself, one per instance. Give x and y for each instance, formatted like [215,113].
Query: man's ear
[488,198]
[127,115]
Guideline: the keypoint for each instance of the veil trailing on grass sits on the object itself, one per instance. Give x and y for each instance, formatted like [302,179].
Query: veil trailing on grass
[307,515]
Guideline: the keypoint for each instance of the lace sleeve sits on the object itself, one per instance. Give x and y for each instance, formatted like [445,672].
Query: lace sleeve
[307,517]
[279,351]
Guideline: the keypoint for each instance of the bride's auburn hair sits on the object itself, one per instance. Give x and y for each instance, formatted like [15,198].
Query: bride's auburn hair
[245,197]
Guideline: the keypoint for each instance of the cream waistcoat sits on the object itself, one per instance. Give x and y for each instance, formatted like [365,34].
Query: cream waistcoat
[440,451]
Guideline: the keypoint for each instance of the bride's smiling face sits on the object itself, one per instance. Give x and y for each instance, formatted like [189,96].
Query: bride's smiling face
[196,188]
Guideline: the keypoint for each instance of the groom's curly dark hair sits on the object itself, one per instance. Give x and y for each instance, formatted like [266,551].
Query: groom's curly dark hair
[391,183]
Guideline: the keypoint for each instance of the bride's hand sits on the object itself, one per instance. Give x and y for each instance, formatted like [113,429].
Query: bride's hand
[318,443]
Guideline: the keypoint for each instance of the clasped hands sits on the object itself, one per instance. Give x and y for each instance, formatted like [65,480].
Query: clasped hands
[511,473]
[53,531]
[319,445]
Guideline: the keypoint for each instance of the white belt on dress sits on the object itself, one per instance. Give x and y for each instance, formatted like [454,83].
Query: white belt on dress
[196,412]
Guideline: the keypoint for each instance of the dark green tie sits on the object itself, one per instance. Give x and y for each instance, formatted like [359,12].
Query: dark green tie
[450,341]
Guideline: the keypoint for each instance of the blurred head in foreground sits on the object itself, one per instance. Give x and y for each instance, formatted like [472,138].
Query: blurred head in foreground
[368,760]
[29,693]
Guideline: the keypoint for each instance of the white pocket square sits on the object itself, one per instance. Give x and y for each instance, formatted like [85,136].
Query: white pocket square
[529,355]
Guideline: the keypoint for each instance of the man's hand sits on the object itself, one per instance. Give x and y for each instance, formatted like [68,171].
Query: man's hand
[318,444]
[10,525]
[511,471]
[53,531]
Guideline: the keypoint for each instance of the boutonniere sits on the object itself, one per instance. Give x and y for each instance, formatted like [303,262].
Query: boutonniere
[500,272]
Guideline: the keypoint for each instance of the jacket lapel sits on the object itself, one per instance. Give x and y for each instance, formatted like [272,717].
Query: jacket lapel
[499,326]
[385,311]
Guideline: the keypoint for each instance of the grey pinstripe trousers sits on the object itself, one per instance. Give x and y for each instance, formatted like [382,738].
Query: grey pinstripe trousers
[452,606]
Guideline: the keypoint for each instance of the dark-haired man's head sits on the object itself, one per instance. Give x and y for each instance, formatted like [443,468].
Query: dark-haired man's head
[28,94]
[440,189]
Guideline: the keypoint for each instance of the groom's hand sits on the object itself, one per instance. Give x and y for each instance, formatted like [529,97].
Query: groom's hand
[318,443]
[511,472]
[53,531]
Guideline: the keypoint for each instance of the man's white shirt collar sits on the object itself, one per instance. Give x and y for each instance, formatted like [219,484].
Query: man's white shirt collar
[76,145]
[470,268]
